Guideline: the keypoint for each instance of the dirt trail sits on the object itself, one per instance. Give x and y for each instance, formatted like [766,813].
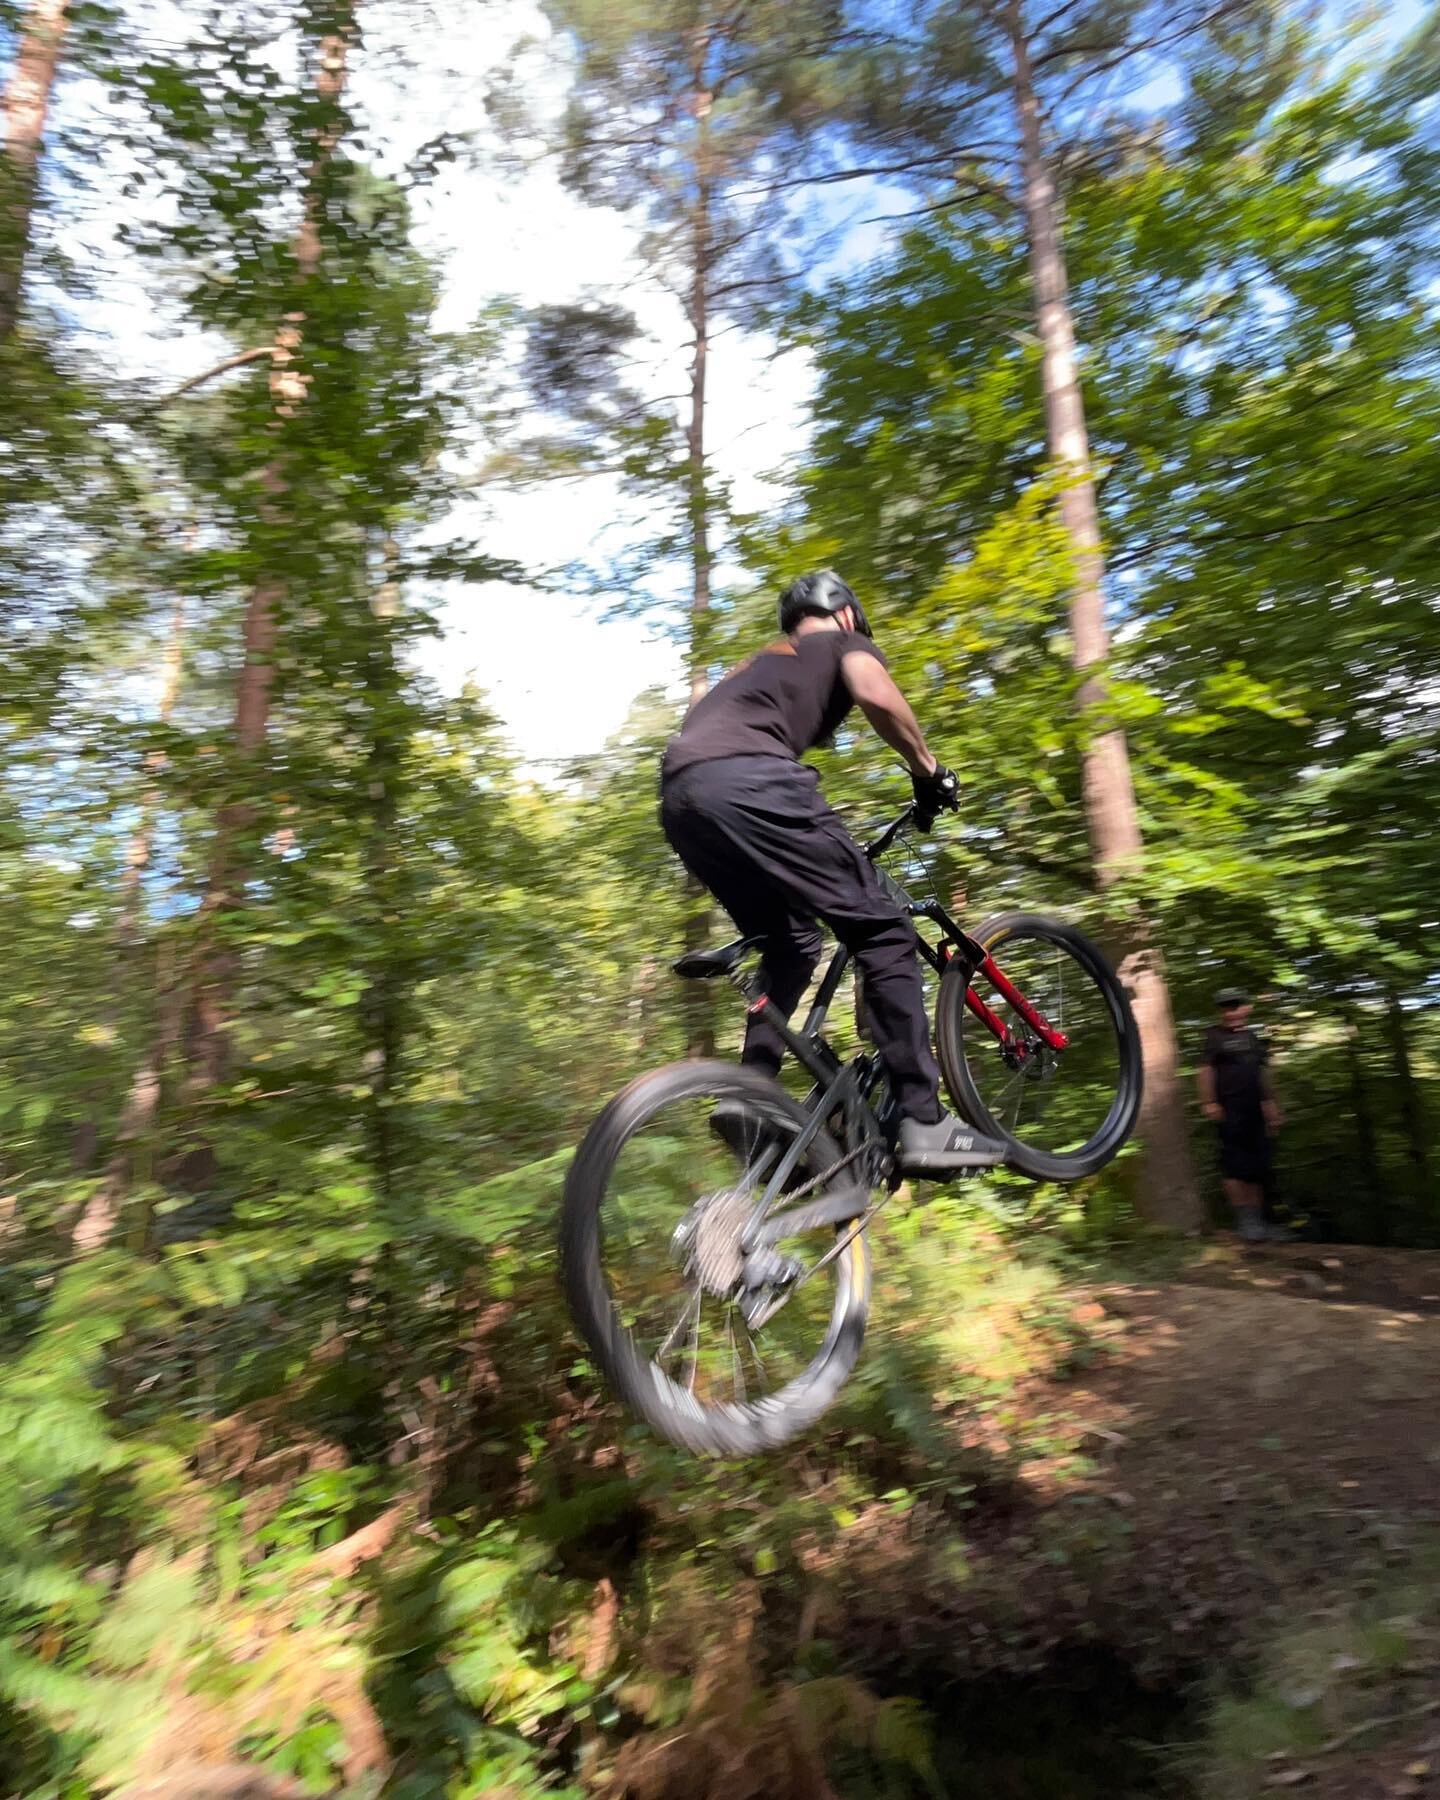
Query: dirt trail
[1314,1370]
[1362,1273]
[1268,1425]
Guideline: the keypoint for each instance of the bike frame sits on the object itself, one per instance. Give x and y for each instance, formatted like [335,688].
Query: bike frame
[849,1086]
[956,948]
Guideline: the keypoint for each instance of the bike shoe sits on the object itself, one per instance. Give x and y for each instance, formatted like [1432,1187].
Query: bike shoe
[948,1147]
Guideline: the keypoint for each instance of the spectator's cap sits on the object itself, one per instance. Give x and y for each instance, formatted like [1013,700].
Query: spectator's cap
[1231,997]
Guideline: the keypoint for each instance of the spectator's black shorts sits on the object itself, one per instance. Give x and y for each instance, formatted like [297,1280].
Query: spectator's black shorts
[1244,1147]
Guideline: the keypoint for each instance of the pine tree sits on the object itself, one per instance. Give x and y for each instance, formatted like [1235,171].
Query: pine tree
[328,35]
[692,116]
[996,103]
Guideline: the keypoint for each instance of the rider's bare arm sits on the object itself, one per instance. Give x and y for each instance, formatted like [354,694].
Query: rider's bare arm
[887,709]
[1269,1104]
[1205,1080]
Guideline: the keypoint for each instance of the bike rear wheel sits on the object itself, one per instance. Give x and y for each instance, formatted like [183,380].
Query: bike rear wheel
[1064,1113]
[654,1204]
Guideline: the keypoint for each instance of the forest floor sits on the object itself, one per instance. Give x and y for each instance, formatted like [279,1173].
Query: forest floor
[1267,1428]
[1196,1555]
[1146,1522]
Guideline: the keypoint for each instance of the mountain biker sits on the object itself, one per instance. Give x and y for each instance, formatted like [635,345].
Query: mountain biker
[748,820]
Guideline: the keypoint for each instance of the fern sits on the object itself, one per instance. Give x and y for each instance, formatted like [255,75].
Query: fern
[155,1607]
[493,1607]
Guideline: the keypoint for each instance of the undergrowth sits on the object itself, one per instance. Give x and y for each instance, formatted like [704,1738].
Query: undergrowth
[351,1510]
[1325,1692]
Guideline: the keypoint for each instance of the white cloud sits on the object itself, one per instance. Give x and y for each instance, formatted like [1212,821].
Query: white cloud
[560,676]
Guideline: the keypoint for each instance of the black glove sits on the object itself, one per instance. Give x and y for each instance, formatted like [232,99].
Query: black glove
[937,792]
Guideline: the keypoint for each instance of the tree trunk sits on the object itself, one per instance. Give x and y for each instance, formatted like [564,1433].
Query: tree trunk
[700,1002]
[1412,1107]
[208,1034]
[27,104]
[698,486]
[142,1102]
[1170,1195]
[383,1006]
[208,1030]
[137,854]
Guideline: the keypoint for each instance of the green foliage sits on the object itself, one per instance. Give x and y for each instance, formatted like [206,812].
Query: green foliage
[1274,662]
[303,1469]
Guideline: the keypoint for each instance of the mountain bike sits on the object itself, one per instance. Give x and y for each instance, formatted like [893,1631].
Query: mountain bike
[713,1236]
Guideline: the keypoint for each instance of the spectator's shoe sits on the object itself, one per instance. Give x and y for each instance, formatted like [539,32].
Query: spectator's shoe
[947,1147]
[1251,1228]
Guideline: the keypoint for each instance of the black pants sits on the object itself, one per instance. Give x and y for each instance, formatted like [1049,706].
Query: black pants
[758,833]
[1244,1142]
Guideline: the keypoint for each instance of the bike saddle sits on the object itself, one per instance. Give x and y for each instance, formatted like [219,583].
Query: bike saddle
[704,965]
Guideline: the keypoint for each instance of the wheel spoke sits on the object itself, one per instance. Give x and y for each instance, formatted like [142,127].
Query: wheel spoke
[695,1343]
[754,1351]
[758,1168]
[690,1305]
[1074,1091]
[737,1372]
[1017,1080]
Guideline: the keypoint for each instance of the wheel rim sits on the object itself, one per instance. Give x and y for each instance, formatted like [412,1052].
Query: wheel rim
[676,1199]
[1057,1103]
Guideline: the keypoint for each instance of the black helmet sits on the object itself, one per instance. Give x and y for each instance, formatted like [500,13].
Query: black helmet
[1231,996]
[821,593]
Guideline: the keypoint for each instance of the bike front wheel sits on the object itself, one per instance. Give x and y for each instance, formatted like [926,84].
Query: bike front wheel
[655,1202]
[1063,1112]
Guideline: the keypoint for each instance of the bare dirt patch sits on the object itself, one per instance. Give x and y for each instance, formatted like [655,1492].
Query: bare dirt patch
[1269,1428]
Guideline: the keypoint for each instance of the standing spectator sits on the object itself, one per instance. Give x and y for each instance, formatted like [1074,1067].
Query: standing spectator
[1236,1095]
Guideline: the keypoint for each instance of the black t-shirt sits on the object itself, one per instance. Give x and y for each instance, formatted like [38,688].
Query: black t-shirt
[1237,1057]
[783,701]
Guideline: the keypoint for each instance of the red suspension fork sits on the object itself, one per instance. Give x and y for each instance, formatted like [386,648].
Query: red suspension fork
[993,1023]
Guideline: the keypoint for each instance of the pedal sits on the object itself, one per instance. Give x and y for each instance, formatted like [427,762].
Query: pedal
[927,1151]
[951,1167]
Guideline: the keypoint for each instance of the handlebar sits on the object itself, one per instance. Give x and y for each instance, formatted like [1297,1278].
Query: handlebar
[888,836]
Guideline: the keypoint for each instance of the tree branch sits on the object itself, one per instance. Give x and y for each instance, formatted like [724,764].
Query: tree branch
[1053,18]
[1128,559]
[932,158]
[973,188]
[842,40]
[1124,52]
[1059,52]
[185,387]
